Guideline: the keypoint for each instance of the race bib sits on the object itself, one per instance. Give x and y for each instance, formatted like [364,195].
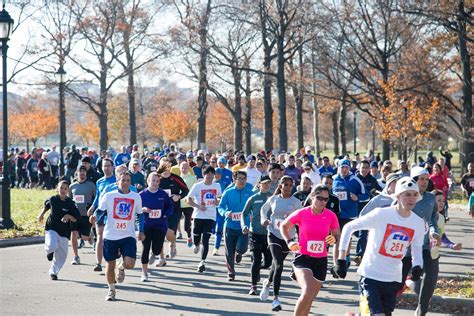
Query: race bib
[277,223]
[120,226]
[236,216]
[341,195]
[79,198]
[35,169]
[153,168]
[154,214]
[123,208]
[315,246]
[396,241]
[168,191]
[124,159]
[471,183]
[46,168]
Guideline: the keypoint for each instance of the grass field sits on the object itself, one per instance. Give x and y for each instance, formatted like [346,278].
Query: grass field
[26,206]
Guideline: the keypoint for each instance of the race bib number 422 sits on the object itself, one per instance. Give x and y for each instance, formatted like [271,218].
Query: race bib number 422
[396,241]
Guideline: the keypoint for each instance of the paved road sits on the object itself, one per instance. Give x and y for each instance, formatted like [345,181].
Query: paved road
[177,289]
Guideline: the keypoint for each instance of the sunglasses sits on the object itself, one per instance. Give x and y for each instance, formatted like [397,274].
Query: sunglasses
[322,199]
[241,179]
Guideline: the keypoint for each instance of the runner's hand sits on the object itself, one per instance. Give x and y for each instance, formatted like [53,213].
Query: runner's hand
[175,197]
[245,230]
[90,211]
[228,214]
[92,219]
[202,208]
[146,209]
[457,246]
[330,240]
[141,236]
[416,273]
[294,246]
[354,197]
[266,223]
[341,268]
[40,218]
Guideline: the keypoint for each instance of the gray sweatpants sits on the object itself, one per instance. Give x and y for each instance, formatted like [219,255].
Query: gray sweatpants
[59,245]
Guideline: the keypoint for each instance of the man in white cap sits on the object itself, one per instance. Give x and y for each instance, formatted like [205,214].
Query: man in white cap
[252,173]
[426,209]
[310,155]
[391,231]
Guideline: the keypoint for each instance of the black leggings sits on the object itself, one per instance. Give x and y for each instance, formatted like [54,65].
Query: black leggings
[202,228]
[154,239]
[279,251]
[188,213]
[259,249]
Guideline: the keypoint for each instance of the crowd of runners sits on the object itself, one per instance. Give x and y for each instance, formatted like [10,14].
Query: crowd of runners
[274,206]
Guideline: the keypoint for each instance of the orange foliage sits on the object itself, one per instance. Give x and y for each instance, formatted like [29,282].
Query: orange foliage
[88,130]
[172,125]
[219,126]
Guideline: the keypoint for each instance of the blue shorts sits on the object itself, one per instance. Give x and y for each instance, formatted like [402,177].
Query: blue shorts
[377,297]
[127,247]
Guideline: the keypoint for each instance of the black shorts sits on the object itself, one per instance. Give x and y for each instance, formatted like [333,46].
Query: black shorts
[257,242]
[318,266]
[173,220]
[274,240]
[82,226]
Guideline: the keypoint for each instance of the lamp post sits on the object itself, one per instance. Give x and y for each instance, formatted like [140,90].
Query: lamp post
[355,132]
[6,24]
[61,79]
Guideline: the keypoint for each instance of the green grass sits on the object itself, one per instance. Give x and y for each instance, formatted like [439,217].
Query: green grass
[26,206]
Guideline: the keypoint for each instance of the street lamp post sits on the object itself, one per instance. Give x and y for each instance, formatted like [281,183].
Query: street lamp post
[61,79]
[6,24]
[355,132]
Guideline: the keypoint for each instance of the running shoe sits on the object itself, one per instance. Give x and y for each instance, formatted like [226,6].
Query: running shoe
[110,295]
[334,273]
[276,305]
[161,262]
[190,242]
[120,275]
[253,290]
[144,277]
[98,268]
[151,259]
[215,252]
[201,267]
[173,251]
[76,260]
[179,235]
[50,256]
[231,277]
[54,277]
[196,249]
[238,258]
[265,290]
[81,244]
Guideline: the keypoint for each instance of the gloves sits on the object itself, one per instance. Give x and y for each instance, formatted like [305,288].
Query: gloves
[416,273]
[341,268]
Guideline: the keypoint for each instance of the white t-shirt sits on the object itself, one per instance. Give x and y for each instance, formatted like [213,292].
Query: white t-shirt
[252,175]
[390,235]
[121,213]
[207,195]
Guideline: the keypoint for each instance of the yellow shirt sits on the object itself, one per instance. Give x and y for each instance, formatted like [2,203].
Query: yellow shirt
[238,167]
[175,170]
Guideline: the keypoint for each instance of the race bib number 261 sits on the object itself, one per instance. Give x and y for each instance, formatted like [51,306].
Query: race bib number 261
[396,241]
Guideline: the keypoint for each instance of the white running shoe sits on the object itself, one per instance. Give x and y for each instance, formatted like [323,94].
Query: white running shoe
[151,259]
[120,275]
[276,305]
[110,296]
[215,252]
[76,260]
[161,262]
[201,267]
[265,292]
[196,249]
[144,277]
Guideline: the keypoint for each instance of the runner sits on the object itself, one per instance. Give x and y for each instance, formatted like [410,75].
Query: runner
[252,173]
[176,188]
[310,171]
[204,197]
[189,178]
[391,231]
[121,207]
[303,190]
[82,193]
[153,222]
[258,243]
[231,207]
[273,212]
[58,228]
[102,184]
[224,178]
[318,228]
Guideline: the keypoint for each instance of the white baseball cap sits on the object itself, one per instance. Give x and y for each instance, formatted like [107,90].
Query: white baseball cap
[418,171]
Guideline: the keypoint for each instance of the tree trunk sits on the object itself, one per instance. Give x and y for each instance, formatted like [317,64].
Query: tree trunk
[335,131]
[466,120]
[237,111]
[103,114]
[342,125]
[282,132]
[299,99]
[248,114]
[131,104]
[267,105]
[202,93]
[317,149]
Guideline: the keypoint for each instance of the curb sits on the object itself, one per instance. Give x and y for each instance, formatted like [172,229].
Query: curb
[22,241]
[447,300]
